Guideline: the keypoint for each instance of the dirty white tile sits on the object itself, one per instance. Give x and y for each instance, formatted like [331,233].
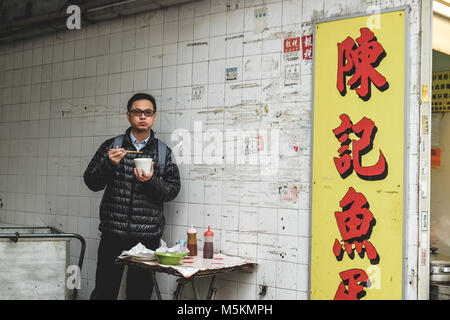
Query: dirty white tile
[235,21]
[248,245]
[287,222]
[196,215]
[287,275]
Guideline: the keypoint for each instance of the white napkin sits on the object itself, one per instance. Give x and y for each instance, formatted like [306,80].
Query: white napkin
[139,250]
[175,249]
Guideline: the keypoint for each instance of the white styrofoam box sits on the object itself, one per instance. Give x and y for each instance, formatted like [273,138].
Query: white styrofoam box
[184,75]
[186,30]
[201,27]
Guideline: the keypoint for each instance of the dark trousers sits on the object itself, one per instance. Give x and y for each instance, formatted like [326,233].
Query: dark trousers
[109,274]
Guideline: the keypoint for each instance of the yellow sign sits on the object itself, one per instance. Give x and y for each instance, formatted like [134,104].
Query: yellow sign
[358,158]
[441,92]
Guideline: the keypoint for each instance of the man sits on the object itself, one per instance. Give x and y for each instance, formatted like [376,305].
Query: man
[131,210]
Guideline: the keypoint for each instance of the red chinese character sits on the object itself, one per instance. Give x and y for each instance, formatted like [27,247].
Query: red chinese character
[365,129]
[360,63]
[355,224]
[307,42]
[352,286]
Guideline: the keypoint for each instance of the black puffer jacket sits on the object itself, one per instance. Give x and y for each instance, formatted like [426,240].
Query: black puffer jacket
[131,208]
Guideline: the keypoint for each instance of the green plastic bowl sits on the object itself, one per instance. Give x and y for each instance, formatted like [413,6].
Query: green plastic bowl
[170,258]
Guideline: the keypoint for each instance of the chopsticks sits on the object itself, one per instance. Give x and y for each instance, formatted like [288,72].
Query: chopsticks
[131,151]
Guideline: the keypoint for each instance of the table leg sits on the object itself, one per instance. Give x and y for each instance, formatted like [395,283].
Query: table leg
[211,290]
[194,288]
[178,291]
[155,284]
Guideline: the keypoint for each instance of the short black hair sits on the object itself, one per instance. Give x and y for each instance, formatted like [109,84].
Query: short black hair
[141,96]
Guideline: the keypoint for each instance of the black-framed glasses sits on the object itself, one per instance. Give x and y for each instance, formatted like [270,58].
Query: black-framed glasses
[139,112]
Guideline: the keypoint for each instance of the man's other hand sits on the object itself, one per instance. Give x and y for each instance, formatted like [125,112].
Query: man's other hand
[142,175]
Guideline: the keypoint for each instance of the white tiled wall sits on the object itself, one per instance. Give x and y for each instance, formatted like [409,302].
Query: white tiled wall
[62,95]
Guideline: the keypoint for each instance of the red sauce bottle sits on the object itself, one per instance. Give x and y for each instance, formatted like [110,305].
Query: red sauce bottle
[208,246]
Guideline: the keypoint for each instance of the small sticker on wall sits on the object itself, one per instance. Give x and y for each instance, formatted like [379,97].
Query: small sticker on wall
[253,145]
[292,74]
[290,148]
[231,73]
[307,45]
[288,193]
[291,49]
[260,22]
[198,92]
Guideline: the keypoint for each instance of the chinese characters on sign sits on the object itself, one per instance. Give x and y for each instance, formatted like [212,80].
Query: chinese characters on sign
[352,286]
[291,49]
[355,224]
[358,157]
[355,221]
[307,45]
[366,130]
[360,63]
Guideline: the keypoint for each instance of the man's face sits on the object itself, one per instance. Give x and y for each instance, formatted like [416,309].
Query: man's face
[142,115]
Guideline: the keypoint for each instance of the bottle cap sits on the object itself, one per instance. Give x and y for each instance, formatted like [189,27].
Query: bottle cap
[192,229]
[209,232]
